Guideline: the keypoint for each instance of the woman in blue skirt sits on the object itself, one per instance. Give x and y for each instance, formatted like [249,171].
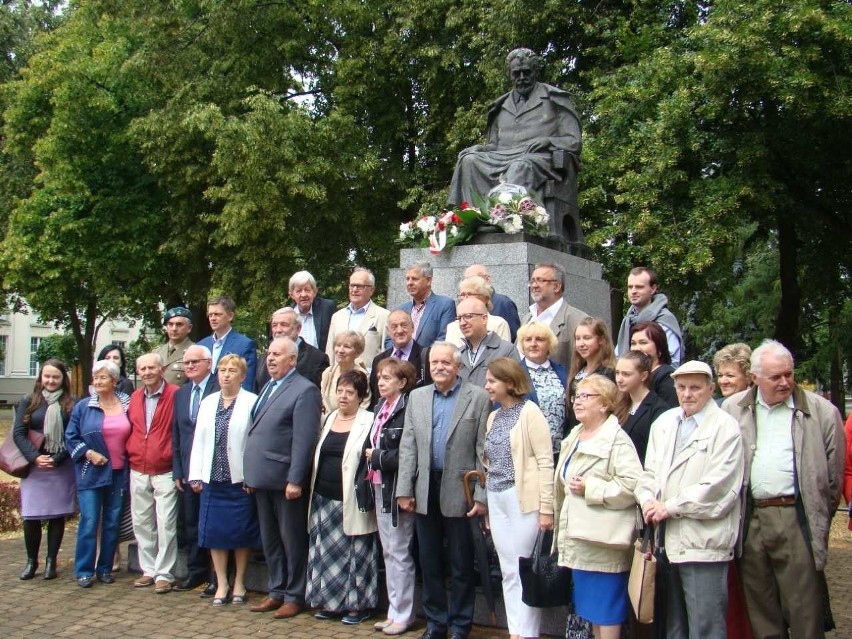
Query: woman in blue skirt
[596,514]
[228,515]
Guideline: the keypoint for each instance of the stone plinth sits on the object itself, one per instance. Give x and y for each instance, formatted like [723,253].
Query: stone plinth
[510,260]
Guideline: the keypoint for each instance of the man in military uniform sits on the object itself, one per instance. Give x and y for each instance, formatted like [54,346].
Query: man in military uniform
[177,323]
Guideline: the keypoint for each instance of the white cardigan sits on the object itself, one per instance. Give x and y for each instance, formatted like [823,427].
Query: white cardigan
[201,458]
[354,521]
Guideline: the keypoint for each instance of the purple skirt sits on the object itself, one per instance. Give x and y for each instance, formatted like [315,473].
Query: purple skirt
[49,492]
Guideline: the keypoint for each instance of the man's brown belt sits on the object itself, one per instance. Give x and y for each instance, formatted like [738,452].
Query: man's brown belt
[788,500]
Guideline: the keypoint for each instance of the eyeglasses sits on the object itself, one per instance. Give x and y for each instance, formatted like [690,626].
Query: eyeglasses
[360,287]
[469,316]
[466,295]
[582,397]
[195,362]
[540,280]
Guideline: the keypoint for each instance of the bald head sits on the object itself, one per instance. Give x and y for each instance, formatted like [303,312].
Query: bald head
[478,270]
[472,315]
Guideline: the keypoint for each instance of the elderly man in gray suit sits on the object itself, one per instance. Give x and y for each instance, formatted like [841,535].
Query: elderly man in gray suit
[479,346]
[277,461]
[547,288]
[444,437]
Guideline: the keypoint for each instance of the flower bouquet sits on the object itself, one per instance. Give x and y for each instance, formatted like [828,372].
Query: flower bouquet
[507,207]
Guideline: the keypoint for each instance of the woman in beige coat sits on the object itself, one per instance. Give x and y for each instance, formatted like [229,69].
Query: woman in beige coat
[519,483]
[596,514]
[343,554]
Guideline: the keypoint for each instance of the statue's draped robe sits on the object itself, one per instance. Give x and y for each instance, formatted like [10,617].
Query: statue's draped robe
[547,113]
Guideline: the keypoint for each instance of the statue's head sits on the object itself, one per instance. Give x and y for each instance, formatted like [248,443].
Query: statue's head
[523,66]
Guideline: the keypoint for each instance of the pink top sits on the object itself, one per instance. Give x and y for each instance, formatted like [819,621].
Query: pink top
[116,431]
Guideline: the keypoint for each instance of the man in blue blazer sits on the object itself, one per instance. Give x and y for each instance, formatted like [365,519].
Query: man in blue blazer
[278,456]
[197,365]
[225,340]
[429,311]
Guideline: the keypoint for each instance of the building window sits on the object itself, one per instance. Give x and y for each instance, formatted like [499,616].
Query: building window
[4,342]
[120,344]
[34,344]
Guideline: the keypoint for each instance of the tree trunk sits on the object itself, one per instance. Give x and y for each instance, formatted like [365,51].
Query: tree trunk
[787,324]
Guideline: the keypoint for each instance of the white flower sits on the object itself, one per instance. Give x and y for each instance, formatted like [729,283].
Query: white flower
[404,230]
[426,224]
[454,230]
[513,223]
[505,198]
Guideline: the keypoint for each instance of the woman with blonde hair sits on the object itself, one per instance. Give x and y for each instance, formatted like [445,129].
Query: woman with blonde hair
[519,483]
[228,515]
[348,347]
[733,365]
[596,514]
[594,354]
[537,342]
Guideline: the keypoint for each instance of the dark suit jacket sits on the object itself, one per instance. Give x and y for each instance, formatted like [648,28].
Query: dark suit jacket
[183,428]
[282,436]
[440,311]
[322,310]
[310,363]
[638,425]
[238,344]
[504,307]
[419,358]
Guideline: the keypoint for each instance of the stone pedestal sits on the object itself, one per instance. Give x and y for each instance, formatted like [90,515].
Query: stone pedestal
[510,260]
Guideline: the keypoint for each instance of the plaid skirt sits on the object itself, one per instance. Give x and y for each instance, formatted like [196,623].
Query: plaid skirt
[343,571]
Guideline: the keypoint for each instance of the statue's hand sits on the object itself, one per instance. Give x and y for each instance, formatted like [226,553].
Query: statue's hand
[541,144]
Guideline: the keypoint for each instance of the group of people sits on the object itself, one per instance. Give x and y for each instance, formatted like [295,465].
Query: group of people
[350,436]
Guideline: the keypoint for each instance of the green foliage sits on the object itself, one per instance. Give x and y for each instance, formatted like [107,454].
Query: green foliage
[61,346]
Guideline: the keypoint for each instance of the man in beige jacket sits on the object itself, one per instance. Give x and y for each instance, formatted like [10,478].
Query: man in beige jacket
[794,453]
[690,490]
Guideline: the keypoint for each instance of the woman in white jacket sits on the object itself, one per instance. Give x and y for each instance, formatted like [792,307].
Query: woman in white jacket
[596,515]
[228,515]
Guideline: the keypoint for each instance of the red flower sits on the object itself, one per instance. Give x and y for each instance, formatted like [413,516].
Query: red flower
[456,219]
[465,205]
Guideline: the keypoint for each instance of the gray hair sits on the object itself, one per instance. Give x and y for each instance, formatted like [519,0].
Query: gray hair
[157,355]
[424,268]
[558,272]
[205,352]
[361,269]
[457,358]
[288,310]
[292,348]
[108,366]
[768,347]
[302,277]
[523,54]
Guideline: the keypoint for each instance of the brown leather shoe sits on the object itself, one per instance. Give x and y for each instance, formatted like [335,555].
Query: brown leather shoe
[267,605]
[288,609]
[143,582]
[162,586]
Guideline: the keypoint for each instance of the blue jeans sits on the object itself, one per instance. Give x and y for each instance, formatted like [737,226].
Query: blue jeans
[99,506]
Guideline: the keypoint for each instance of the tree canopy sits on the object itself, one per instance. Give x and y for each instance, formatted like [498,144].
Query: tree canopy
[154,152]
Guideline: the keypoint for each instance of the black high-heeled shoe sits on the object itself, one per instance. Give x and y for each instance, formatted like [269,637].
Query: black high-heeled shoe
[50,568]
[29,569]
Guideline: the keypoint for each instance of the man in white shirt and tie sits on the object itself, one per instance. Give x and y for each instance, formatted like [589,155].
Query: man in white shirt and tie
[361,315]
[201,382]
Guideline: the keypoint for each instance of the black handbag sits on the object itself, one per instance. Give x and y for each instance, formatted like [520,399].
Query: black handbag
[544,583]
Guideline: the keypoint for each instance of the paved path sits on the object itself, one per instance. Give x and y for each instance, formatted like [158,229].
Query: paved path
[41,609]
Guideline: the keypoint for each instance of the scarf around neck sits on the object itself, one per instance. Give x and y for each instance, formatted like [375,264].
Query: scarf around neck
[54,438]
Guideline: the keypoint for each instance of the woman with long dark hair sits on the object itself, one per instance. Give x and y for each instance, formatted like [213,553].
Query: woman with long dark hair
[48,491]
[115,354]
[650,338]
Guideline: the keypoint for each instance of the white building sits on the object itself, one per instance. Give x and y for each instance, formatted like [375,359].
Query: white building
[20,335]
